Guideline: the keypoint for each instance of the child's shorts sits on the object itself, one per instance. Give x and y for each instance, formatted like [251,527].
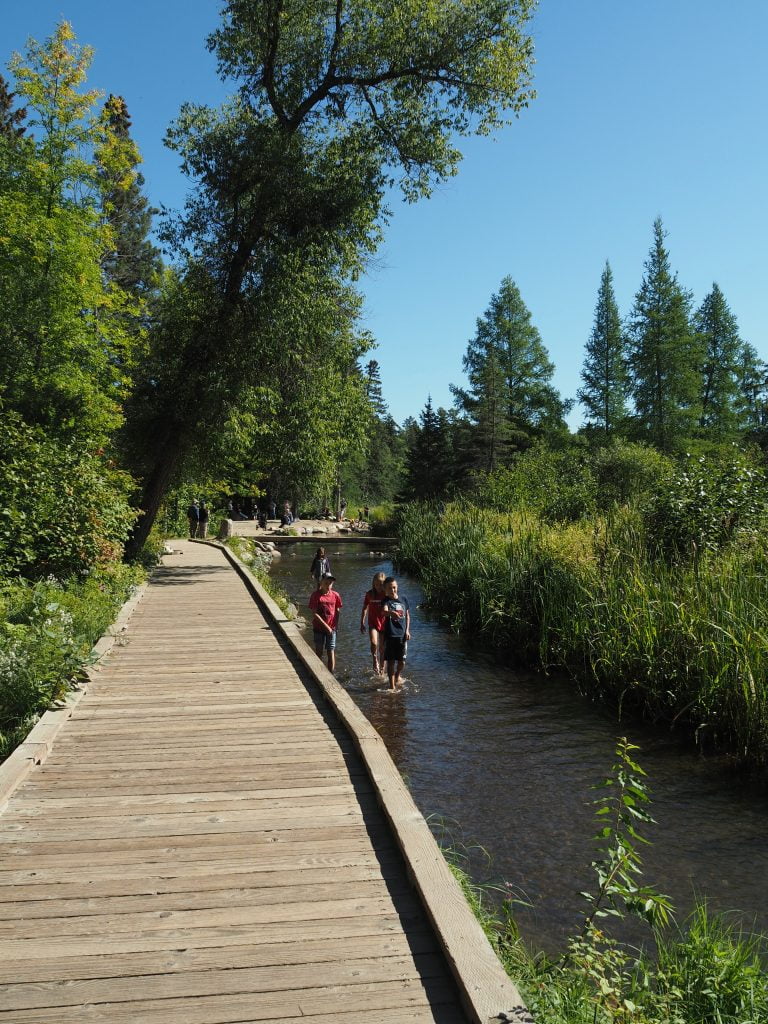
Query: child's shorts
[395,649]
[325,641]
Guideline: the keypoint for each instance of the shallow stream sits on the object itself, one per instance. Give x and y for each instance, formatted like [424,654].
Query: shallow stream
[506,760]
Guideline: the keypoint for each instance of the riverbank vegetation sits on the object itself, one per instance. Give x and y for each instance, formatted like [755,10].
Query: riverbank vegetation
[656,604]
[705,970]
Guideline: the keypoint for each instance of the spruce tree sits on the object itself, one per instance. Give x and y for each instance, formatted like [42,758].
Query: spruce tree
[11,121]
[428,460]
[718,333]
[606,382]
[134,262]
[752,384]
[509,397]
[373,388]
[665,356]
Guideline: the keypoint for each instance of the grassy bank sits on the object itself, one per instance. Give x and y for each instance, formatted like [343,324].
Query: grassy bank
[47,631]
[684,643]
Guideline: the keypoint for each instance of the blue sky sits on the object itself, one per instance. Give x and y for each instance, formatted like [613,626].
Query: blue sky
[644,109]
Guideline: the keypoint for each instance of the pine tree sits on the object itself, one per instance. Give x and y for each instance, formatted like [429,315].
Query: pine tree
[134,262]
[509,397]
[373,388]
[429,455]
[718,333]
[665,356]
[605,377]
[752,384]
[11,121]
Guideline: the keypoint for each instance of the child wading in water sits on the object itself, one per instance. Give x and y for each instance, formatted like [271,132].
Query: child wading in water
[325,603]
[320,566]
[397,631]
[376,620]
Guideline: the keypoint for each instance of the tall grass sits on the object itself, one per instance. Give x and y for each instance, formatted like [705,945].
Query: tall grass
[683,643]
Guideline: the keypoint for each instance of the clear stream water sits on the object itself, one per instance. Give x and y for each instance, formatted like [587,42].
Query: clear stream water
[505,759]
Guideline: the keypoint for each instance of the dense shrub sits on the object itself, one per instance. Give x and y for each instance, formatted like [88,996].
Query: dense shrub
[556,485]
[707,505]
[624,472]
[47,629]
[63,507]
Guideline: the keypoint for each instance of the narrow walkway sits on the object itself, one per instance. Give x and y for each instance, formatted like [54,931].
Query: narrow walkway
[203,846]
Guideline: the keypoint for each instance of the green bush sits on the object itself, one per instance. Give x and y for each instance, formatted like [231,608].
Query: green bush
[707,505]
[63,507]
[47,630]
[624,472]
[556,485]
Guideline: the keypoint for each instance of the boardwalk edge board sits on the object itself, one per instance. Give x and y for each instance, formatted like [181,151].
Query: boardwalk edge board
[488,994]
[36,746]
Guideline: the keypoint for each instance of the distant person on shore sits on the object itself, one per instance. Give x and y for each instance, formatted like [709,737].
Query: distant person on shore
[365,513]
[272,509]
[203,517]
[287,517]
[325,604]
[372,611]
[343,510]
[320,566]
[193,516]
[397,631]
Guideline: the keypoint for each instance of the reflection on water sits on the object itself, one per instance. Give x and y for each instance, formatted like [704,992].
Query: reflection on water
[511,756]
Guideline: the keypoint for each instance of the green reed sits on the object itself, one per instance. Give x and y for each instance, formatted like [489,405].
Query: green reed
[681,643]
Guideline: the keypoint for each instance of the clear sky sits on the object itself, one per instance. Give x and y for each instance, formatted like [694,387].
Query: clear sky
[644,109]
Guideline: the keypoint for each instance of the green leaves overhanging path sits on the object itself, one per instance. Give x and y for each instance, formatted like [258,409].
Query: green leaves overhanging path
[336,103]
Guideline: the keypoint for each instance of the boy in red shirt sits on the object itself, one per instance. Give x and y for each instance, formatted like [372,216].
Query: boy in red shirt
[326,604]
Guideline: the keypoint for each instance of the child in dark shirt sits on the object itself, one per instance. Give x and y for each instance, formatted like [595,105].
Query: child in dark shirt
[397,631]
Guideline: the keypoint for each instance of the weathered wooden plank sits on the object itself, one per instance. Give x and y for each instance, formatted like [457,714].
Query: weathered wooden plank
[73,891]
[233,981]
[43,948]
[126,965]
[202,898]
[365,999]
[210,917]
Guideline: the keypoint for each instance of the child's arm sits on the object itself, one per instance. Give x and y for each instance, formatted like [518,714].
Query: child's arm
[407,623]
[364,613]
[319,625]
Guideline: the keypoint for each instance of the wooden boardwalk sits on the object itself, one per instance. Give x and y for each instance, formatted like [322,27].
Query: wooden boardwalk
[203,843]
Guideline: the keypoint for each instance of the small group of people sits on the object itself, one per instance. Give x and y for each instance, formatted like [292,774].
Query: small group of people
[198,515]
[385,613]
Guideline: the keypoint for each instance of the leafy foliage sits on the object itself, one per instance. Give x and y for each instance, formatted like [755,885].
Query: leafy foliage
[64,351]
[708,504]
[47,629]
[63,507]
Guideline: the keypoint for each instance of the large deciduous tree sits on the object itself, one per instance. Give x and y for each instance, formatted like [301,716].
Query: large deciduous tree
[606,383]
[509,398]
[336,101]
[665,356]
[64,350]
